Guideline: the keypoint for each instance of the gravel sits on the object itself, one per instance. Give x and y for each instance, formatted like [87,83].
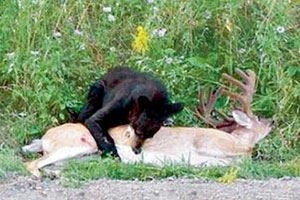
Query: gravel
[19,187]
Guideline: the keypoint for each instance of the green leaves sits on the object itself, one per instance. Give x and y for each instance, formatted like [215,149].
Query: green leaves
[293,71]
[196,61]
[209,61]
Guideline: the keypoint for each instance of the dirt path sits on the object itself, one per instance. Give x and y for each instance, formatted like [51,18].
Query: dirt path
[26,188]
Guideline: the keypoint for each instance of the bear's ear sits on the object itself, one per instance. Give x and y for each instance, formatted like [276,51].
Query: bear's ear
[143,102]
[174,108]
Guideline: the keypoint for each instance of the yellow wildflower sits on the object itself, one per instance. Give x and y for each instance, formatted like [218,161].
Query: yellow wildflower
[141,40]
[230,176]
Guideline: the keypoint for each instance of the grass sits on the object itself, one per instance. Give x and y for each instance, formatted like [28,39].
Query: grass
[10,163]
[51,51]
[79,172]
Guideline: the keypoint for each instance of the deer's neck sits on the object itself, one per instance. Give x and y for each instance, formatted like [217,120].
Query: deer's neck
[245,136]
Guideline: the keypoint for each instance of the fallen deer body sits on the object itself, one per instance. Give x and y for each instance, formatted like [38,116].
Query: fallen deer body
[222,145]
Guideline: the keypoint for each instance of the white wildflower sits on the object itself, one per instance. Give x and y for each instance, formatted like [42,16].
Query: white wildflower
[106,9]
[150,1]
[169,60]
[70,19]
[181,57]
[11,55]
[155,8]
[20,2]
[22,114]
[207,15]
[112,49]
[111,18]
[159,32]
[241,51]
[56,34]
[35,53]
[82,47]
[78,32]
[280,29]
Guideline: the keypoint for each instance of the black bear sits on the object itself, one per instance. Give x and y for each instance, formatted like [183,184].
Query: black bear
[124,96]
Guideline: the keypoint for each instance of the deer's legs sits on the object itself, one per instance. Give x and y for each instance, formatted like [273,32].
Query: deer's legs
[55,156]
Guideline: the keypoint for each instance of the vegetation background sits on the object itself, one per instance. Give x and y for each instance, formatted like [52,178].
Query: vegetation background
[51,51]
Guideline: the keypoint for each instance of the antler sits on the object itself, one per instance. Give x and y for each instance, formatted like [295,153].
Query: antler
[248,89]
[205,112]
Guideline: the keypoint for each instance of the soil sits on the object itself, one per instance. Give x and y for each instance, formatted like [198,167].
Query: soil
[19,187]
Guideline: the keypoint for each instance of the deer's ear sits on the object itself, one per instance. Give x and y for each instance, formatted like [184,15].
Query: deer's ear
[242,119]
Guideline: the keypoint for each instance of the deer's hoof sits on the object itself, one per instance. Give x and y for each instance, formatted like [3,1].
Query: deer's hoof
[32,168]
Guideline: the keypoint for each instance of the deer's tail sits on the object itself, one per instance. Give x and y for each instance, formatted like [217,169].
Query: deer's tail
[34,146]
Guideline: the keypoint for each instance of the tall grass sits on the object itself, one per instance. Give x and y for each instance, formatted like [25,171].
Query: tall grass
[51,51]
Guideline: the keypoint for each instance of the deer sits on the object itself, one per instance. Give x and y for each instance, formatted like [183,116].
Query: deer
[224,143]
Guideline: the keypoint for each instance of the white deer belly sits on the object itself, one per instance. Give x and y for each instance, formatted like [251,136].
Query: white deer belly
[188,157]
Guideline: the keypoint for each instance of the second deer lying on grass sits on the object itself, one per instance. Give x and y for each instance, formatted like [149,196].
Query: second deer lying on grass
[221,145]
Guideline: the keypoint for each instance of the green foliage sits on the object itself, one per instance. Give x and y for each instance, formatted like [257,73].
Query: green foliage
[51,51]
[96,168]
[79,172]
[9,162]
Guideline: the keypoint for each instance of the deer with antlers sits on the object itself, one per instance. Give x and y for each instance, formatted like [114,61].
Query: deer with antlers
[224,143]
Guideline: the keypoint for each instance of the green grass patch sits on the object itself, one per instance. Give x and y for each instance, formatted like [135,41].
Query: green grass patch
[78,172]
[10,163]
[50,52]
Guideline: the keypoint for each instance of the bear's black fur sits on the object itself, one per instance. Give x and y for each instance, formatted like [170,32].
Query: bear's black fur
[124,96]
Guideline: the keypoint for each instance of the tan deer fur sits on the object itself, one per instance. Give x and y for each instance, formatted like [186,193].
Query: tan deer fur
[194,146]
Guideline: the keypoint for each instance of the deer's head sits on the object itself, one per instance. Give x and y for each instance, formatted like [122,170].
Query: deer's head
[125,135]
[251,129]
[243,124]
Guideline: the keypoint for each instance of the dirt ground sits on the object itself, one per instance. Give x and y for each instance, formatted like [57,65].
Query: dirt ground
[19,187]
